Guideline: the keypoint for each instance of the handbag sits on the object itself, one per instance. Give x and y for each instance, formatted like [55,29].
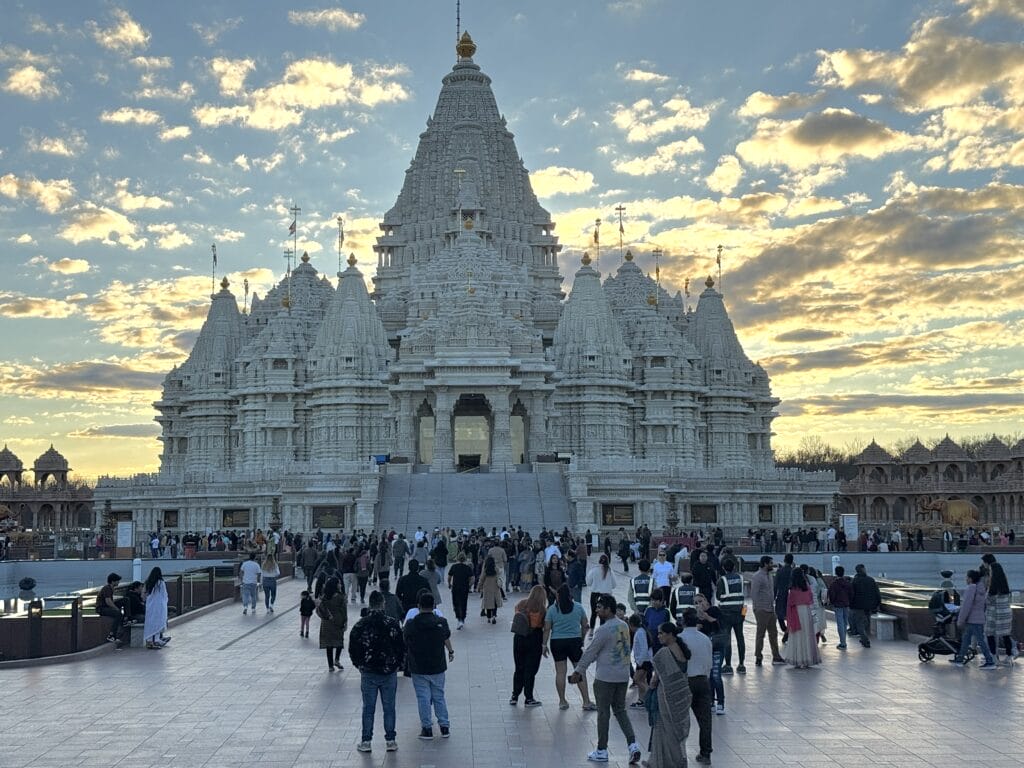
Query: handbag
[322,611]
[520,624]
[651,704]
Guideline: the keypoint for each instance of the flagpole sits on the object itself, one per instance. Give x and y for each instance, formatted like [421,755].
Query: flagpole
[719,260]
[295,211]
[620,209]
[597,243]
[341,242]
[213,270]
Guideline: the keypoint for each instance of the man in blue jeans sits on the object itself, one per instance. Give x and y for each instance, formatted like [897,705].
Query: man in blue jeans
[427,636]
[377,648]
[840,593]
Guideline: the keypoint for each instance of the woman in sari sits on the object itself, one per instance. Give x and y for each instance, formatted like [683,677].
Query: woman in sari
[801,648]
[156,611]
[671,723]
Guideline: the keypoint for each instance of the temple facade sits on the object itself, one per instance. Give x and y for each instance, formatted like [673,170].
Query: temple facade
[467,358]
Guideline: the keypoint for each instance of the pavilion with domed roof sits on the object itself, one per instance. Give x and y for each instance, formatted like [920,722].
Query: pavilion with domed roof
[904,489]
[52,501]
[465,388]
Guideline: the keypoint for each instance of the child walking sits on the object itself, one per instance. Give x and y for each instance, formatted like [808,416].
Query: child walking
[306,607]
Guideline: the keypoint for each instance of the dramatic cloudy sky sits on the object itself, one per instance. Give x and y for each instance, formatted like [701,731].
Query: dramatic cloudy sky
[861,163]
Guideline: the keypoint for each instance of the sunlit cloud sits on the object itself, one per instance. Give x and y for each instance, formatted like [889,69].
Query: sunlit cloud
[211,33]
[123,36]
[16,305]
[760,104]
[307,84]
[31,82]
[557,180]
[50,196]
[168,237]
[643,120]
[329,18]
[176,132]
[94,222]
[128,201]
[66,266]
[665,159]
[726,176]
[130,115]
[71,146]
[644,76]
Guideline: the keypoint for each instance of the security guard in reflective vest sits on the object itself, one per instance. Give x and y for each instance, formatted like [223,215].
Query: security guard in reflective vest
[683,596]
[640,588]
[730,601]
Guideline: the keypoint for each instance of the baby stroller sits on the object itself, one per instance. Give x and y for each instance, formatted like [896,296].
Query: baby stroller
[940,643]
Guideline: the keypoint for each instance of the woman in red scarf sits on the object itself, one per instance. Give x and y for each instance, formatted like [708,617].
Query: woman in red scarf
[801,649]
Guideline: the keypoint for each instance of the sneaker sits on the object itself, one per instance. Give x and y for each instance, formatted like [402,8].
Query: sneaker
[598,756]
[779,660]
[637,705]
[426,734]
[111,639]
[364,746]
[705,759]
[634,753]
[391,746]
[841,646]
[866,645]
[989,665]
[445,731]
[270,609]
[758,662]
[513,701]
[531,703]
[741,670]
[726,670]
[245,611]
[958,663]
[462,624]
[720,709]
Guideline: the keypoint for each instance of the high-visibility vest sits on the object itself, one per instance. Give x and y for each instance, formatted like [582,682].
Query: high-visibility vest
[642,586]
[686,595]
[732,591]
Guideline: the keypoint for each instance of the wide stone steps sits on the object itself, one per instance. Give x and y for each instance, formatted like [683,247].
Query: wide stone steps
[471,500]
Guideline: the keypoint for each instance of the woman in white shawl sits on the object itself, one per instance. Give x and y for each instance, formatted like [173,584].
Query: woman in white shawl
[671,724]
[156,610]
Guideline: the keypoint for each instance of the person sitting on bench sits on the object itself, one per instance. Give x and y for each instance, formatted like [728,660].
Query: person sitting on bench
[107,605]
[135,604]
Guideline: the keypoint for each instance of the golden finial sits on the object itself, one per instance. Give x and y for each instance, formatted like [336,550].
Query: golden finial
[286,302]
[467,224]
[351,259]
[224,283]
[471,290]
[585,261]
[465,48]
[710,283]
[305,257]
[629,256]
[652,299]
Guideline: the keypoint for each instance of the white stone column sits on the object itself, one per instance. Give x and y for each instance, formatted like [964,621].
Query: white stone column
[444,448]
[537,441]
[501,435]
[406,438]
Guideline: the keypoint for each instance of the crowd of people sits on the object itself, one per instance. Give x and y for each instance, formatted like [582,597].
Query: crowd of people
[665,650]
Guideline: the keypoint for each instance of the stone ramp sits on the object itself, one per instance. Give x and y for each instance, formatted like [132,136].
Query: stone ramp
[488,499]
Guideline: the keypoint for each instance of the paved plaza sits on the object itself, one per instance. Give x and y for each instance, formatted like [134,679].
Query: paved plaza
[235,690]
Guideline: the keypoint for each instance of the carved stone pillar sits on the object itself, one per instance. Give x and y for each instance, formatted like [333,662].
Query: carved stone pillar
[444,448]
[406,438]
[537,442]
[501,435]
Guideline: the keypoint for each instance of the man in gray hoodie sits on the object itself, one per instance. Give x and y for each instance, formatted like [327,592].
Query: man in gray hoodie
[610,649]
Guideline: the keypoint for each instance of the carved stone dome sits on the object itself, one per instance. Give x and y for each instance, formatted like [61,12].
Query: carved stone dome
[51,461]
[9,462]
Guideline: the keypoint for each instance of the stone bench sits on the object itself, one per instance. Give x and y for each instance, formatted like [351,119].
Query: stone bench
[884,625]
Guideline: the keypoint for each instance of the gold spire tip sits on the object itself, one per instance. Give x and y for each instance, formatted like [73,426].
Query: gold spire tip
[286,302]
[351,260]
[467,224]
[305,257]
[710,282]
[585,261]
[629,255]
[471,290]
[465,48]
[224,283]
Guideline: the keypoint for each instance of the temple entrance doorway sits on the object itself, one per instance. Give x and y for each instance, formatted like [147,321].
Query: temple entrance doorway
[471,432]
[519,427]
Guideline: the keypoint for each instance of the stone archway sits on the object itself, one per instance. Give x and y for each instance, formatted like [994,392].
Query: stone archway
[879,509]
[472,426]
[901,509]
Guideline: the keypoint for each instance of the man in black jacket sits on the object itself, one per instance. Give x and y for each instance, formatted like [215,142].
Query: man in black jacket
[783,580]
[377,649]
[408,588]
[427,636]
[866,601]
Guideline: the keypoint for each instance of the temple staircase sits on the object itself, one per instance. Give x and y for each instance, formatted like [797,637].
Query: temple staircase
[534,500]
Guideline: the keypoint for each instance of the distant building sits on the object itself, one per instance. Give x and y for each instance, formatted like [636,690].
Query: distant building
[50,502]
[913,487]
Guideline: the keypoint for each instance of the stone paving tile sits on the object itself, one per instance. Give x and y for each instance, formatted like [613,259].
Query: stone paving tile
[223,695]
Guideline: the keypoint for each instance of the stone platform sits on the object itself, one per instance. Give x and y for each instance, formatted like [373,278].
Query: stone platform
[242,691]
